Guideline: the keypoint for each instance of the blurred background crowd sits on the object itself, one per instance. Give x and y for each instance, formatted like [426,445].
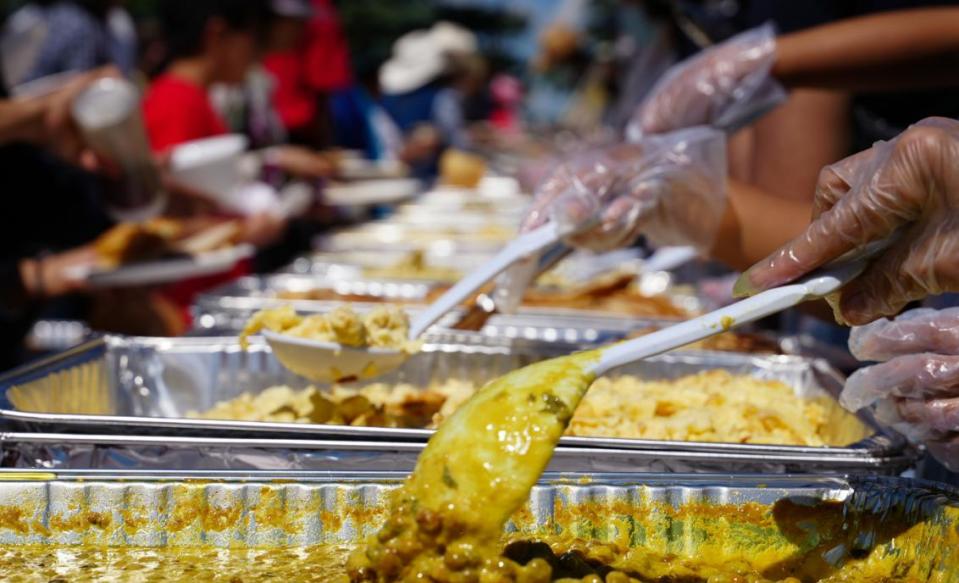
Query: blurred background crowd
[426,85]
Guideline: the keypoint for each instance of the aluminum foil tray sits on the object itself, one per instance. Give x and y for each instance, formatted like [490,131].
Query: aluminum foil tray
[146,386]
[41,451]
[907,529]
[378,236]
[226,309]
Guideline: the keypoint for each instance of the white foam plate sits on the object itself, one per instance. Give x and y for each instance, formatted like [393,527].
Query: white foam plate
[170,270]
[369,192]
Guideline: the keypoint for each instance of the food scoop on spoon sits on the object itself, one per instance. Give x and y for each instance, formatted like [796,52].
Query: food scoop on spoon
[331,362]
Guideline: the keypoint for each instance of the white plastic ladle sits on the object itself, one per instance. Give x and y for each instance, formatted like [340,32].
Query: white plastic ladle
[330,362]
[816,286]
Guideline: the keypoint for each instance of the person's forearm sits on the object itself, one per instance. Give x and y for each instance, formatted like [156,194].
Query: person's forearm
[893,50]
[756,223]
[21,120]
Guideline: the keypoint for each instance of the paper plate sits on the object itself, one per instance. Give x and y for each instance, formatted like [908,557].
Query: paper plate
[170,270]
[369,192]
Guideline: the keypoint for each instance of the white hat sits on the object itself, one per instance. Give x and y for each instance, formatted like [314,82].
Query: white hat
[452,38]
[422,55]
[417,59]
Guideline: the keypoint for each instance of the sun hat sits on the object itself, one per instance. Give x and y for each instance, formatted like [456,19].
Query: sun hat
[421,56]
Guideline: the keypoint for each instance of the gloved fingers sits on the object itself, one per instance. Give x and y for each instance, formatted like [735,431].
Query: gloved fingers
[924,262]
[837,179]
[556,183]
[619,225]
[913,376]
[830,236]
[725,86]
[915,331]
[881,199]
[946,450]
[930,418]
[573,192]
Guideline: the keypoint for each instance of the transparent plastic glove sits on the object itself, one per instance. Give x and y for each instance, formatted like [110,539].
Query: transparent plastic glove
[669,187]
[915,389]
[906,188]
[726,86]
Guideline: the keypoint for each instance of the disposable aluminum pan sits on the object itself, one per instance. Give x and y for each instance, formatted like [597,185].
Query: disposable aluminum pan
[840,527]
[397,237]
[157,452]
[146,386]
[226,309]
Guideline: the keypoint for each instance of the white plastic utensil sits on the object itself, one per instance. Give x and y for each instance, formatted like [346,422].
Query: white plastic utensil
[329,361]
[815,286]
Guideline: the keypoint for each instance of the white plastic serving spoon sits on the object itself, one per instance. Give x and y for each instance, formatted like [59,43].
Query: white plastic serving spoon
[815,286]
[330,362]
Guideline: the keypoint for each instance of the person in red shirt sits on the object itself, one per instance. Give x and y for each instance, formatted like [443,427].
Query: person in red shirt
[208,41]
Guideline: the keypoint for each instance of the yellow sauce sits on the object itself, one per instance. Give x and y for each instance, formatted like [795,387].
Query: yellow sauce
[476,471]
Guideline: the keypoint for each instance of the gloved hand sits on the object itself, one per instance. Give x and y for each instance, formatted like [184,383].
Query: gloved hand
[669,187]
[726,87]
[915,389]
[906,188]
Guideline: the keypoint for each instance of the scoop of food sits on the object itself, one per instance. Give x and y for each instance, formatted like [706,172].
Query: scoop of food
[362,346]
[341,352]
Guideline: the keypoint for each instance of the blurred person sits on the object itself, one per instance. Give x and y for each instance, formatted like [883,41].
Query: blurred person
[213,42]
[50,211]
[294,101]
[207,41]
[506,93]
[418,92]
[307,55]
[47,37]
[557,71]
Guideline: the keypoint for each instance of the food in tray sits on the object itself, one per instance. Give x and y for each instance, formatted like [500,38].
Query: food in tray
[615,294]
[712,406]
[414,266]
[375,405]
[162,238]
[726,342]
[382,327]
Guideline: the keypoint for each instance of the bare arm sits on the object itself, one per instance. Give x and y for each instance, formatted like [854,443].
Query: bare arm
[21,120]
[756,223]
[894,50]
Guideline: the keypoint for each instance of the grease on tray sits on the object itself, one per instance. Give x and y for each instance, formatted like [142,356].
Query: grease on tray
[616,539]
[382,327]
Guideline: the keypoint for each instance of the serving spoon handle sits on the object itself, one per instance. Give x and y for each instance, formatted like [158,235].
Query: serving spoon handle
[519,248]
[817,285]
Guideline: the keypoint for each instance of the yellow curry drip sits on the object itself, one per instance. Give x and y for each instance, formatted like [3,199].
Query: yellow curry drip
[475,472]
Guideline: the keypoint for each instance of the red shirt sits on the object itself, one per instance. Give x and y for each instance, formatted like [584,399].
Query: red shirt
[327,56]
[293,100]
[177,111]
